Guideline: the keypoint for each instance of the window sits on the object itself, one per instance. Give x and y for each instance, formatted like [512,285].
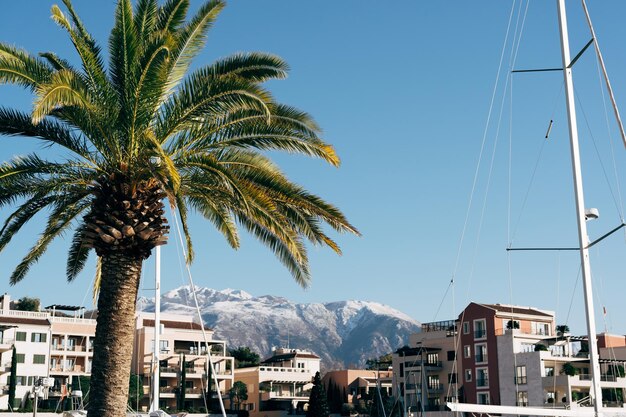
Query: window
[482,377]
[162,383]
[20,380]
[522,399]
[482,398]
[20,357]
[20,336]
[480,329]
[466,327]
[527,347]
[551,397]
[481,353]
[163,345]
[432,359]
[541,328]
[39,359]
[451,378]
[468,375]
[467,351]
[38,337]
[520,374]
[549,371]
[451,355]
[433,382]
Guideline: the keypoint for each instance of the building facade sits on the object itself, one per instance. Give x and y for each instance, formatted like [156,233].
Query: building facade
[280,385]
[183,363]
[425,373]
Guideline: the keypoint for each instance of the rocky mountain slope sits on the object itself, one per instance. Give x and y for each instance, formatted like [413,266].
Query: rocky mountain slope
[342,333]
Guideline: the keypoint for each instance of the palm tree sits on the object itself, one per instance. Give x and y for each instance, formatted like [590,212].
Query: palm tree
[142,131]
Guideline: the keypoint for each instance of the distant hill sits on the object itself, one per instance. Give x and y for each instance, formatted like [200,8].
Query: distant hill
[342,333]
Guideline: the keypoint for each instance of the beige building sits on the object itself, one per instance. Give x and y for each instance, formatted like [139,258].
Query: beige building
[281,384]
[354,385]
[50,343]
[425,373]
[182,360]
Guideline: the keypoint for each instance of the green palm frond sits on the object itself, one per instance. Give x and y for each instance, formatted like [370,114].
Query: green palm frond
[77,255]
[123,45]
[19,67]
[146,18]
[56,62]
[172,15]
[21,216]
[16,123]
[253,66]
[59,220]
[295,261]
[65,89]
[190,40]
[181,208]
[88,51]
[202,97]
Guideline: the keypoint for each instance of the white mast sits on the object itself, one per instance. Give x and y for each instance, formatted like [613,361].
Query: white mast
[154,405]
[583,239]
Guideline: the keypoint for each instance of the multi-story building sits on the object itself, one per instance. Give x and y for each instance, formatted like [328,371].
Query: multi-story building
[182,361]
[280,384]
[480,326]
[425,372]
[507,355]
[353,385]
[47,344]
[71,348]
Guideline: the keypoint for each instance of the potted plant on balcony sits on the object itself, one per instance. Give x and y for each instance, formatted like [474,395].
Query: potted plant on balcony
[569,369]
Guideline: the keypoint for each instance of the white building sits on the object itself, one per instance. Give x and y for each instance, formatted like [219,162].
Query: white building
[281,384]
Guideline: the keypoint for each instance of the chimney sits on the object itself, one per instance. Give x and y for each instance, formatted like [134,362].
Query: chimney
[5,302]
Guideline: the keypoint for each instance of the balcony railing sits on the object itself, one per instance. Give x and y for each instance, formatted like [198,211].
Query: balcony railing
[519,380]
[433,364]
[521,403]
[167,370]
[479,334]
[6,341]
[435,387]
[481,357]
[482,382]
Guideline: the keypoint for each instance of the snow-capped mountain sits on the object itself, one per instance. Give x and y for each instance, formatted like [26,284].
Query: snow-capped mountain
[342,333]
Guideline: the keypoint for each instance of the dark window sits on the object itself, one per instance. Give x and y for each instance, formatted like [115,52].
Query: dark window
[451,355]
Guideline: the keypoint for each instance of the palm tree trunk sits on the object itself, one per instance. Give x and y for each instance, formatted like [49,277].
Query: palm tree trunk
[113,343]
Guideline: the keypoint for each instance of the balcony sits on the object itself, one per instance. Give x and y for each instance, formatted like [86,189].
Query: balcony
[304,394]
[480,334]
[481,358]
[435,387]
[433,365]
[6,344]
[482,382]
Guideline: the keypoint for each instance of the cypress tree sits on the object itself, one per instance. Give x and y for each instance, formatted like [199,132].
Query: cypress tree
[13,379]
[318,404]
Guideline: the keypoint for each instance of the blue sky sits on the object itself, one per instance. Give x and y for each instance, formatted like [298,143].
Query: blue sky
[402,89]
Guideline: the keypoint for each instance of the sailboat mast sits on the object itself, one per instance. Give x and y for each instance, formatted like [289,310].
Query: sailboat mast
[583,239]
[154,406]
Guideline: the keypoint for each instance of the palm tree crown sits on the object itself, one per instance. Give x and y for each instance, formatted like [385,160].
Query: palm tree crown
[142,130]
[145,129]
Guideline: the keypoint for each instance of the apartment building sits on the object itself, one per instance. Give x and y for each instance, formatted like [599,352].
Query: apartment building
[47,344]
[281,384]
[480,327]
[182,361]
[425,374]
[354,385]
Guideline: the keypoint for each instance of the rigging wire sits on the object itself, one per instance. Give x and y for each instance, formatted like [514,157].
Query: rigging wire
[595,147]
[197,307]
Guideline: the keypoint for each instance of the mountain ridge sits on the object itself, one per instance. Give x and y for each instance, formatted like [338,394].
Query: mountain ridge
[342,333]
